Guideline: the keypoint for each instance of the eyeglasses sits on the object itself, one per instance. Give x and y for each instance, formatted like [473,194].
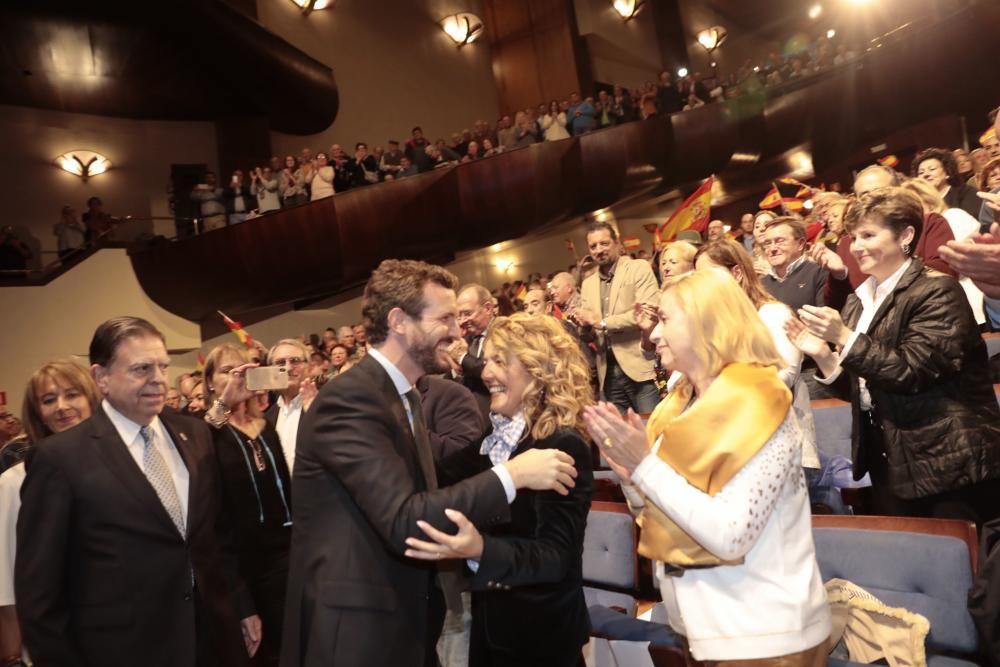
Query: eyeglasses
[290,361]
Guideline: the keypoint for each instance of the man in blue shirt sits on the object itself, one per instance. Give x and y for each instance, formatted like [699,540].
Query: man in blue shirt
[581,114]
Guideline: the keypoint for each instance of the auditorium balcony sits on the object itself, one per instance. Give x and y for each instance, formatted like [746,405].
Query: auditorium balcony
[294,257]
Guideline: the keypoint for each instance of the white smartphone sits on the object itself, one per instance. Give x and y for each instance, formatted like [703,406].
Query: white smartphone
[266,378]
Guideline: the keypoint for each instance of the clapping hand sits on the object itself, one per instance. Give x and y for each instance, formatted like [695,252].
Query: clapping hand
[622,440]
[466,544]
[806,342]
[646,316]
[828,259]
[978,258]
[825,323]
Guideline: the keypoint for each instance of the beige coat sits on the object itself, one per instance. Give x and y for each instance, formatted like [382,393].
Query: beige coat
[633,282]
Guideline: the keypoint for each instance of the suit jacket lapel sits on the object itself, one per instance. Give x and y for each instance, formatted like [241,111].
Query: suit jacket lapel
[616,285]
[116,456]
[185,446]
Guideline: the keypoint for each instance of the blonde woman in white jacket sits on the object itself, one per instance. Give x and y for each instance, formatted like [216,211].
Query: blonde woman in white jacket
[554,123]
[716,475]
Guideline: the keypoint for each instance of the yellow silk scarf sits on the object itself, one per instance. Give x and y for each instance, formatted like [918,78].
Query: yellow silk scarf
[708,444]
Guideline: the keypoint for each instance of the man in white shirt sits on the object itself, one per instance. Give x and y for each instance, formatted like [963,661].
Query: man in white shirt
[285,414]
[121,544]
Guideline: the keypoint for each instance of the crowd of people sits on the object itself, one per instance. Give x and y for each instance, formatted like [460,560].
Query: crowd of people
[312,175]
[413,489]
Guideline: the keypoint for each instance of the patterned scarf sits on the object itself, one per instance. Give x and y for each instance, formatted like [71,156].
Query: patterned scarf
[506,435]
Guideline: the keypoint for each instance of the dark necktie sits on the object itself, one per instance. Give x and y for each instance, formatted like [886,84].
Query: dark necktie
[447,575]
[424,455]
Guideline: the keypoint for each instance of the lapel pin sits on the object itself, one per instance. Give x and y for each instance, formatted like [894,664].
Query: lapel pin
[183,436]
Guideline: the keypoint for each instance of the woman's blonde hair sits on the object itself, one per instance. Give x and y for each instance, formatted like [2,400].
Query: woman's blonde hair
[929,196]
[212,362]
[560,379]
[70,373]
[724,325]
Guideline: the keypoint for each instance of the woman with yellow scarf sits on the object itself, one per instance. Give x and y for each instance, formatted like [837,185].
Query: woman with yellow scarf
[716,477]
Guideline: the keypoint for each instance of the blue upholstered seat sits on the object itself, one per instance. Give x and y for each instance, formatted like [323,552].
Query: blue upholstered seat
[609,559]
[926,574]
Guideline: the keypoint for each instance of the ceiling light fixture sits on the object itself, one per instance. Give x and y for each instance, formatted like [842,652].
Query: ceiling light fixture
[463,28]
[682,72]
[309,6]
[83,163]
[712,38]
[831,33]
[815,11]
[628,9]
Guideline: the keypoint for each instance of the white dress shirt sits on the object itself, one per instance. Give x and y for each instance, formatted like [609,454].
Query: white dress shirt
[403,386]
[287,426]
[129,432]
[871,297]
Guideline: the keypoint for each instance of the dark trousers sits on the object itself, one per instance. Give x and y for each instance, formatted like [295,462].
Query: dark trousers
[976,502]
[436,609]
[623,392]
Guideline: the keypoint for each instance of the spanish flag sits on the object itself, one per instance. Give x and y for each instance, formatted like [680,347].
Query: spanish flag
[694,213]
[631,242]
[237,329]
[521,292]
[772,199]
[200,367]
[890,161]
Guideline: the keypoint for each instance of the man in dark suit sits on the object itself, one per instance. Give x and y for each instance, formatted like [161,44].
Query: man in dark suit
[451,414]
[364,475]
[475,312]
[120,544]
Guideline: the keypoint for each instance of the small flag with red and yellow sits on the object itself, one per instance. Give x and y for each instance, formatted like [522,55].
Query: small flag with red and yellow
[237,329]
[987,135]
[693,214]
[631,242]
[200,367]
[890,161]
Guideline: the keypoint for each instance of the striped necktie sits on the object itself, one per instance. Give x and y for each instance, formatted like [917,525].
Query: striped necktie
[159,478]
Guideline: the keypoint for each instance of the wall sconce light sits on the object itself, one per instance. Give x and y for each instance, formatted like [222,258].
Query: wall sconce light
[712,38]
[628,9]
[309,6]
[83,163]
[464,28]
[504,265]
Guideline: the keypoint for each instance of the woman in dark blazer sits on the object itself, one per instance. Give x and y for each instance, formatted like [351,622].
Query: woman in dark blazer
[909,354]
[528,607]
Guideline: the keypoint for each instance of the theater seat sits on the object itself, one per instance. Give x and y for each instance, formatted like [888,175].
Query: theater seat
[611,578]
[923,565]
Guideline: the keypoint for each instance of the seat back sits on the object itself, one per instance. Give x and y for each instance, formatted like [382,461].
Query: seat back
[832,418]
[610,561]
[923,565]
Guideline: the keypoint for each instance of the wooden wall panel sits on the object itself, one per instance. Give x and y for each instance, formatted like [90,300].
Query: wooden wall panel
[536,54]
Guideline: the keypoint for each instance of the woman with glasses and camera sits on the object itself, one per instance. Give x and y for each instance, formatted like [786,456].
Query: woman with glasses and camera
[256,490]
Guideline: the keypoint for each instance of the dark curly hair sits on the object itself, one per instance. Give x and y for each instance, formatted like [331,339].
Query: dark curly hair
[946,159]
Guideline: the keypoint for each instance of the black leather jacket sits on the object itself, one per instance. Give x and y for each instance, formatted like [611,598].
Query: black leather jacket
[926,369]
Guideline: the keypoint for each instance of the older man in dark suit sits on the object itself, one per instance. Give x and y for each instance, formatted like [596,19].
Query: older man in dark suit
[120,543]
[365,474]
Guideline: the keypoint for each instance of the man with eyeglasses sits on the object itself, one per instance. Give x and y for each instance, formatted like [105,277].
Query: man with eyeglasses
[285,414]
[794,279]
[475,313]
